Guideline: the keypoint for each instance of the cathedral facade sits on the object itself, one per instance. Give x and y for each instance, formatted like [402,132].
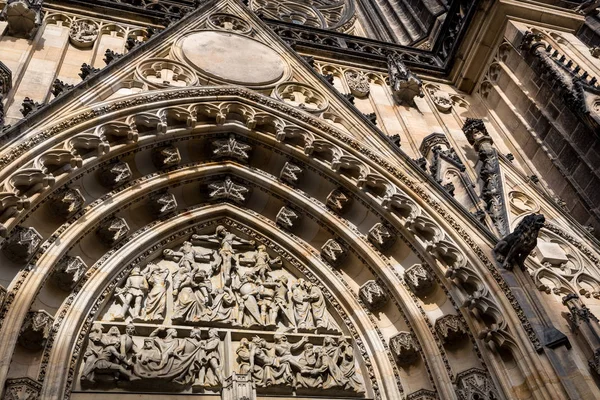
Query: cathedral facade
[299,199]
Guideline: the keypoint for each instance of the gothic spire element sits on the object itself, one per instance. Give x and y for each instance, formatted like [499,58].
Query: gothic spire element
[586,326]
[514,248]
[489,173]
[22,16]
[405,85]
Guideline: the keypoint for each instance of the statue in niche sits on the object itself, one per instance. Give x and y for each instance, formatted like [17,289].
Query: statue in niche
[103,358]
[132,295]
[156,300]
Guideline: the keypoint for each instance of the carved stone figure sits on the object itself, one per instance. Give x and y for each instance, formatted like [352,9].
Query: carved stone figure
[188,303]
[404,348]
[132,295]
[35,330]
[352,381]
[290,173]
[302,310]
[22,244]
[68,272]
[112,231]
[167,156]
[156,300]
[318,307]
[514,248]
[373,295]
[231,148]
[333,252]
[227,190]
[83,33]
[404,84]
[286,217]
[59,87]
[358,83]
[29,106]
[419,279]
[87,70]
[209,374]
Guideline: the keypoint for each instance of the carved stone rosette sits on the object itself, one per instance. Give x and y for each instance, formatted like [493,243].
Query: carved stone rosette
[115,174]
[24,17]
[450,329]
[22,244]
[404,348]
[333,252]
[35,330]
[22,389]
[373,295]
[419,279]
[228,190]
[231,148]
[162,203]
[68,272]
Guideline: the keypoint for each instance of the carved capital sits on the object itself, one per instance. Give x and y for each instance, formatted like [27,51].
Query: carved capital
[162,203]
[164,157]
[68,272]
[419,279]
[112,231]
[381,236]
[338,201]
[450,328]
[35,330]
[290,173]
[22,244]
[286,217]
[373,295]
[333,252]
[404,348]
[115,174]
[66,202]
[22,389]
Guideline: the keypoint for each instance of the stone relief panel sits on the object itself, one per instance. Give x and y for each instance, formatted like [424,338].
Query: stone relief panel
[168,324]
[83,33]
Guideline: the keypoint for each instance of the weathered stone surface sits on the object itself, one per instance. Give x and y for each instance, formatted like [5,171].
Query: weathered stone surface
[35,330]
[22,389]
[550,252]
[22,244]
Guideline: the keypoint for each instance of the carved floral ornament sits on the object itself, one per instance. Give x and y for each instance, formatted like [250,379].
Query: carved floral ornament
[302,96]
[149,125]
[168,323]
[162,73]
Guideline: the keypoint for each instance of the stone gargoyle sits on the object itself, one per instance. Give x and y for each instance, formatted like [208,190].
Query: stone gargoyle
[514,248]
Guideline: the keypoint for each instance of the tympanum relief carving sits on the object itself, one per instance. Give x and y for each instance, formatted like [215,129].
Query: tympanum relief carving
[167,325]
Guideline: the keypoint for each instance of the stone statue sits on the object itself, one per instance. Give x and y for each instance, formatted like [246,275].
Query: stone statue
[318,308]
[127,347]
[223,306]
[302,310]
[189,305]
[209,374]
[514,248]
[311,372]
[404,84]
[156,300]
[352,380]
[132,295]
[280,312]
[330,357]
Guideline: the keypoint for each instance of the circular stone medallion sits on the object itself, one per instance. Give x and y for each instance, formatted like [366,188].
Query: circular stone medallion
[233,58]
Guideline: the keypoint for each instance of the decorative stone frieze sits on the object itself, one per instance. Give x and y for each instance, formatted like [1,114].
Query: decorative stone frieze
[29,106]
[83,33]
[23,17]
[112,231]
[167,156]
[228,190]
[22,244]
[22,389]
[404,84]
[35,330]
[286,218]
[239,387]
[474,384]
[373,295]
[231,148]
[333,252]
[115,174]
[338,201]
[381,236]
[514,248]
[419,279]
[162,203]
[290,173]
[358,83]
[68,272]
[67,202]
[405,348]
[450,329]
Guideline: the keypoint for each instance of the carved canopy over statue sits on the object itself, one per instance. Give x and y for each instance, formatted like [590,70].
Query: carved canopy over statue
[204,295]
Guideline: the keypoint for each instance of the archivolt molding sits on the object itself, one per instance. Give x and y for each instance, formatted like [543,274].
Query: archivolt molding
[325,148]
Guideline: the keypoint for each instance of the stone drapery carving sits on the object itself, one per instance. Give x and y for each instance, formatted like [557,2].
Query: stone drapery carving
[333,252]
[419,279]
[83,33]
[228,190]
[68,272]
[35,330]
[22,389]
[66,202]
[404,84]
[290,173]
[338,201]
[358,83]
[404,348]
[474,384]
[163,203]
[22,244]
[112,231]
[165,157]
[115,174]
[381,236]
[514,248]
[450,328]
[231,148]
[373,295]
[492,190]
[24,17]
[286,217]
